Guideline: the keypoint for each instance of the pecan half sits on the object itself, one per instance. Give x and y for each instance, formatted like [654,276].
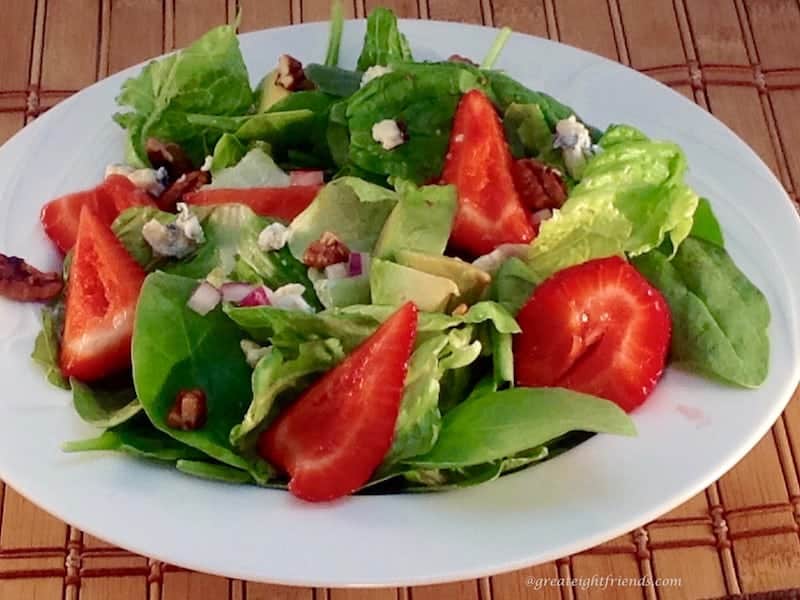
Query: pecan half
[189,411]
[189,182]
[168,155]
[24,283]
[327,250]
[539,185]
[457,58]
[291,75]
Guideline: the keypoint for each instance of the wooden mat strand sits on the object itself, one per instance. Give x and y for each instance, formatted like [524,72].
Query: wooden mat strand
[739,59]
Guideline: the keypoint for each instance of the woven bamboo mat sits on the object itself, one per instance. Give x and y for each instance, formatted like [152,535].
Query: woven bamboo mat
[739,59]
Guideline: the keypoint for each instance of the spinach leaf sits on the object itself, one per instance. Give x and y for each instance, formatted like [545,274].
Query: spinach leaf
[207,78]
[719,318]
[310,140]
[383,42]
[47,347]
[104,406]
[335,81]
[529,134]
[705,226]
[508,91]
[275,375]
[139,438]
[500,424]
[175,349]
[213,471]
[422,97]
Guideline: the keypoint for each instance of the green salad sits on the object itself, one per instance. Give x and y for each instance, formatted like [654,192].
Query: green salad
[381,277]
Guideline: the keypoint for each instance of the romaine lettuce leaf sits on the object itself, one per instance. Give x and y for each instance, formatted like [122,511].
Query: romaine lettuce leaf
[631,197]
[255,169]
[276,374]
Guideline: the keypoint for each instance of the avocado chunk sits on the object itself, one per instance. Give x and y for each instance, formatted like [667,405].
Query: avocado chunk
[471,281]
[421,221]
[335,293]
[269,92]
[395,284]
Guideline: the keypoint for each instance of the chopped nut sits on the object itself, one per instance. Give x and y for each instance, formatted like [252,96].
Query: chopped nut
[290,74]
[189,411]
[539,185]
[189,182]
[168,155]
[22,282]
[457,58]
[460,310]
[328,250]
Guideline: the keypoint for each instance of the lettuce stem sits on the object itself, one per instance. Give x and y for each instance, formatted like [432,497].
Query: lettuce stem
[335,40]
[497,47]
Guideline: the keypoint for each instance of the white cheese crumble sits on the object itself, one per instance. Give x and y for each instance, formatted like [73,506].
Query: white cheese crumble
[575,143]
[388,134]
[207,163]
[178,239]
[274,237]
[152,181]
[374,72]
[253,352]
[290,297]
[189,224]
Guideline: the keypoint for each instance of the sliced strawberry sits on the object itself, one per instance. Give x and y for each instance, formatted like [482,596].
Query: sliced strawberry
[598,328]
[478,163]
[281,203]
[336,434]
[103,287]
[60,217]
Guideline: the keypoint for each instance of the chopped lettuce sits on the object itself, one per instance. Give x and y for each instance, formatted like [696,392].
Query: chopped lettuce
[255,169]
[631,197]
[274,376]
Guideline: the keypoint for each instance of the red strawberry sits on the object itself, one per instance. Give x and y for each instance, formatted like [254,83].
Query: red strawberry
[102,291]
[598,328]
[280,203]
[478,163]
[337,433]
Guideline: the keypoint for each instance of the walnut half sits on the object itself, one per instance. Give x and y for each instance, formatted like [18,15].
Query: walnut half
[327,250]
[189,411]
[291,75]
[24,283]
[539,185]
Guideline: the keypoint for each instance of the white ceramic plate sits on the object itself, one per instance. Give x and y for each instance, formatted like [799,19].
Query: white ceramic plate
[690,432]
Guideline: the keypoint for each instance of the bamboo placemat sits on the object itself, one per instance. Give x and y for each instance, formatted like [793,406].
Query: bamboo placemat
[739,59]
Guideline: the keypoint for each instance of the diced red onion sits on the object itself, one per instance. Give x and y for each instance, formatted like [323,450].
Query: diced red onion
[236,292]
[258,297]
[541,215]
[204,299]
[306,177]
[358,264]
[337,271]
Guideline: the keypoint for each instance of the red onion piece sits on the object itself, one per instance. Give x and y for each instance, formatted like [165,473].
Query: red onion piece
[306,177]
[258,297]
[337,271]
[236,292]
[204,299]
[358,264]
